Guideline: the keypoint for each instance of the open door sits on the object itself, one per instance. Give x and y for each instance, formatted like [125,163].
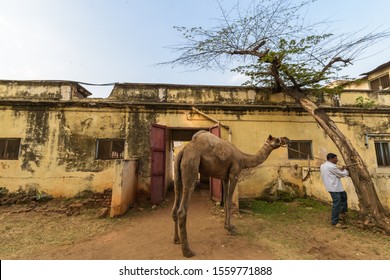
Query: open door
[216,184]
[158,151]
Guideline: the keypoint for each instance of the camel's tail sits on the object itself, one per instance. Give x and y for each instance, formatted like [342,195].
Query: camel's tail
[177,179]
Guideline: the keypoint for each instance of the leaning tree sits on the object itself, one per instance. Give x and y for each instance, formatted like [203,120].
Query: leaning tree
[273,44]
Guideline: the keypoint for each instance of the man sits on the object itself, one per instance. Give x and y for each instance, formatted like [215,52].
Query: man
[331,175]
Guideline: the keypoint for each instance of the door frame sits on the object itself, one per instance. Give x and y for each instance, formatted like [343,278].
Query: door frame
[158,141]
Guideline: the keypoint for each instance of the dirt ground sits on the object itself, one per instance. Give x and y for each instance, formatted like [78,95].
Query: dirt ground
[44,232]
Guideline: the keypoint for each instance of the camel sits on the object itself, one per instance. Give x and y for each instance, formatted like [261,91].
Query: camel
[213,157]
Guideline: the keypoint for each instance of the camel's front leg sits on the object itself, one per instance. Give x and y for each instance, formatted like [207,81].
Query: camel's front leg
[225,192]
[229,205]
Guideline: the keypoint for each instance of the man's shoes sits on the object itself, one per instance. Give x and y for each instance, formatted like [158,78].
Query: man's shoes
[343,217]
[338,225]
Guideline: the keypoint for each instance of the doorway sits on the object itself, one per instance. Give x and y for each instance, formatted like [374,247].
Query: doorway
[179,138]
[165,144]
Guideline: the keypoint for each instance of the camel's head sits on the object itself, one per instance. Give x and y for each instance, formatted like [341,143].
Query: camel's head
[277,142]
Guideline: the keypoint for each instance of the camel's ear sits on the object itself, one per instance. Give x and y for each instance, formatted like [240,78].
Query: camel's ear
[270,137]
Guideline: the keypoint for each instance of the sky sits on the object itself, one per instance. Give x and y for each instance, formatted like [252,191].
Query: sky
[110,41]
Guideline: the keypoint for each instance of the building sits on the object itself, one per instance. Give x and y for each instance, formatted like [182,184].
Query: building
[375,80]
[54,138]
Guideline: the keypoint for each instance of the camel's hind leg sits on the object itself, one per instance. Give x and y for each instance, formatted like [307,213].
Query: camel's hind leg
[178,195]
[182,217]
[229,205]
[175,208]
[189,176]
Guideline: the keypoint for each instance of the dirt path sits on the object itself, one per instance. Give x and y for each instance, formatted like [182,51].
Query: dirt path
[150,236]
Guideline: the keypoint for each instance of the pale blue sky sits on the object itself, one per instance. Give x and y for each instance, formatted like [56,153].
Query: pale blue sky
[108,41]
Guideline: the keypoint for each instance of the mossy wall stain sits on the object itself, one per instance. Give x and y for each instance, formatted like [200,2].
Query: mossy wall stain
[35,140]
[368,125]
[78,139]
[139,125]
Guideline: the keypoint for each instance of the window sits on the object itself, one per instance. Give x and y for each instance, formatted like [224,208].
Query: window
[110,149]
[300,149]
[9,148]
[380,83]
[382,153]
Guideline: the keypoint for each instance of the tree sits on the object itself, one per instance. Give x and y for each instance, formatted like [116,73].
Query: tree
[274,46]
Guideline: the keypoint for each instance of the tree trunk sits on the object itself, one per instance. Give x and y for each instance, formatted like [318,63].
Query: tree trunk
[369,202]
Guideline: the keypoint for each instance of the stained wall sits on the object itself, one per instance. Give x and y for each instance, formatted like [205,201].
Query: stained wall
[59,132]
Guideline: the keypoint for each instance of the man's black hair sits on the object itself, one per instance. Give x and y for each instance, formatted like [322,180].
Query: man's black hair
[330,156]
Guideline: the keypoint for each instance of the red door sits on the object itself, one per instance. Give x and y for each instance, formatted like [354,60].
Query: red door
[216,184]
[158,146]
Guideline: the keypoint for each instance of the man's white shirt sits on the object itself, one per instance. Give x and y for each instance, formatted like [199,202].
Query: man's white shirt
[331,175]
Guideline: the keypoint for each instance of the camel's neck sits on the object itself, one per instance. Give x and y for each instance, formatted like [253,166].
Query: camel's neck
[254,160]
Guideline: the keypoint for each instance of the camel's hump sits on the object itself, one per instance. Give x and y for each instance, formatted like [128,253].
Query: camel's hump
[196,135]
[207,141]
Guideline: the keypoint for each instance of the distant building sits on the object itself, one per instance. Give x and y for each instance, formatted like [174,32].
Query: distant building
[376,79]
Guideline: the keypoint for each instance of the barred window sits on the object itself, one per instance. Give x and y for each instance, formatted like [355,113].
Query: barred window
[9,148]
[110,149]
[300,149]
[382,153]
[380,83]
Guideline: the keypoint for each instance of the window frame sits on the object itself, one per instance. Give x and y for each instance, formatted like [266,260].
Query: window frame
[382,82]
[384,160]
[302,155]
[109,150]
[5,152]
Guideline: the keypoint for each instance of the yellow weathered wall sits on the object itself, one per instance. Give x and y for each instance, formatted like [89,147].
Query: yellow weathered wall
[125,186]
[378,73]
[41,90]
[57,151]
[59,137]
[250,130]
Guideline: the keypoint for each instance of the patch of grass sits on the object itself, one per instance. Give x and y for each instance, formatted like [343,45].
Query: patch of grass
[314,204]
[270,208]
[302,208]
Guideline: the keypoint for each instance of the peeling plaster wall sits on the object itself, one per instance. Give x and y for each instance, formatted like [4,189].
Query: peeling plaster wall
[380,98]
[58,147]
[195,94]
[57,153]
[41,90]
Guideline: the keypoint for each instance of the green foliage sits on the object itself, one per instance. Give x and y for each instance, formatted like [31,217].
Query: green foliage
[3,191]
[42,197]
[365,102]
[294,66]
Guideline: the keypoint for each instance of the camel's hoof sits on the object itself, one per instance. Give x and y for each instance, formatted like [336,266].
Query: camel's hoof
[231,230]
[188,254]
[176,241]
